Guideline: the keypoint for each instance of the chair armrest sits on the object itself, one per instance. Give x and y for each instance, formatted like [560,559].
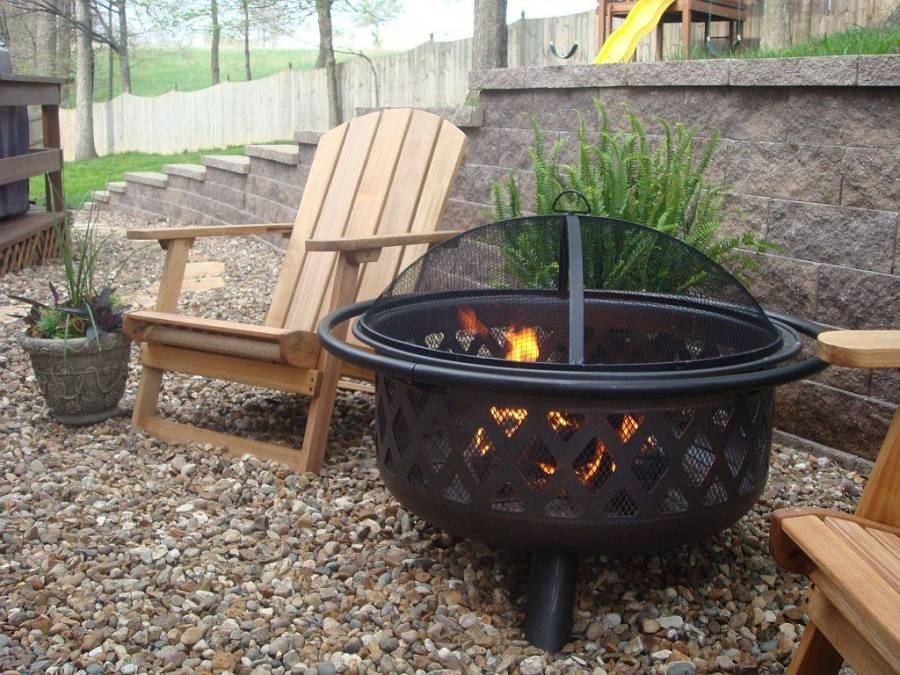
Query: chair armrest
[379,241]
[860,348]
[169,233]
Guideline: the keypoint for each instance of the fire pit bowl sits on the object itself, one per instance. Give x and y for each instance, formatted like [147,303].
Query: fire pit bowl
[572,385]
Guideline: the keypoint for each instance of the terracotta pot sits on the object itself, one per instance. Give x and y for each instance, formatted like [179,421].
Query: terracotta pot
[81,381]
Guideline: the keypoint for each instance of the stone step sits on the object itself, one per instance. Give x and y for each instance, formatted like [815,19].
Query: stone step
[117,186]
[152,178]
[285,154]
[308,136]
[100,196]
[191,171]
[233,163]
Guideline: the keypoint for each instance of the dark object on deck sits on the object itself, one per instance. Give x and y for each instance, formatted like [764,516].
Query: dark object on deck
[13,141]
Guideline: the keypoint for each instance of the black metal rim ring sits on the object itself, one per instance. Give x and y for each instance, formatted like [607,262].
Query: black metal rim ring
[554,383]
[784,345]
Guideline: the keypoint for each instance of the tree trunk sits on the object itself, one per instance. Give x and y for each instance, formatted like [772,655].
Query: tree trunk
[84,83]
[326,60]
[214,46]
[245,8]
[124,65]
[110,69]
[43,56]
[489,42]
[775,28]
[64,46]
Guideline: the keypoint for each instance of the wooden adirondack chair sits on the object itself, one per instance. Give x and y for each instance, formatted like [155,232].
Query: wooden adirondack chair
[853,561]
[378,182]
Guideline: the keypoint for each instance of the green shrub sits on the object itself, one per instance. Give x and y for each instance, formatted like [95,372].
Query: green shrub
[625,175]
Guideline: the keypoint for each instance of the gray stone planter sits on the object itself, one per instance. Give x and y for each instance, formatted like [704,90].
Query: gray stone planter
[81,382]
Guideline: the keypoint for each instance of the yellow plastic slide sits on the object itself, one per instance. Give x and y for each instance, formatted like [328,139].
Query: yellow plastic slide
[642,18]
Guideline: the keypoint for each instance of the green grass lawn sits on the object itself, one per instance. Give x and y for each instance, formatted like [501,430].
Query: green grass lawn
[882,40]
[82,177]
[155,71]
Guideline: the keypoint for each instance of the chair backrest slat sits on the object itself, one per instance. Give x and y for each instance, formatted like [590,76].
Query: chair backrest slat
[320,174]
[392,175]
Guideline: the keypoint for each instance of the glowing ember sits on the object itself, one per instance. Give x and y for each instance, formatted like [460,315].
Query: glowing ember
[629,426]
[564,423]
[482,442]
[548,469]
[468,320]
[590,469]
[523,345]
[509,419]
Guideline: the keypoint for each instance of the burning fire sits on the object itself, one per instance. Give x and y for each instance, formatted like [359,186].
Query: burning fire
[509,419]
[586,472]
[523,345]
[469,320]
[629,427]
[563,423]
[482,443]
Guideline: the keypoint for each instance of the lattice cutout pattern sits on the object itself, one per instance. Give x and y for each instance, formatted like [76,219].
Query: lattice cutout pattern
[521,457]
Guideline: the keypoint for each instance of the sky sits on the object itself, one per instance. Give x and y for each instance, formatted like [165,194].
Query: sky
[452,19]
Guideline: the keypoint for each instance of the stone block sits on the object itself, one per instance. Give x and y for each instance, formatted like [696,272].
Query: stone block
[281,153]
[230,179]
[838,235]
[554,109]
[871,178]
[181,183]
[870,118]
[852,298]
[473,183]
[784,284]
[146,190]
[786,171]
[463,215]
[549,77]
[504,147]
[886,385]
[508,109]
[152,178]
[117,186]
[876,70]
[191,171]
[696,73]
[648,103]
[308,136]
[307,152]
[745,213]
[268,211]
[815,116]
[292,175]
[274,190]
[742,114]
[233,163]
[222,193]
[833,417]
[818,71]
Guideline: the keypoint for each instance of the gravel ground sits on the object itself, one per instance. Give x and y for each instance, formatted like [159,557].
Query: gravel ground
[122,554]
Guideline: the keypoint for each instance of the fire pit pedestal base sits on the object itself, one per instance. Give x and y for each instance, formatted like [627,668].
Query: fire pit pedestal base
[551,595]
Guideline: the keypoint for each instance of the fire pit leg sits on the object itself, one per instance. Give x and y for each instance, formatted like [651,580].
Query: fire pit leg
[551,596]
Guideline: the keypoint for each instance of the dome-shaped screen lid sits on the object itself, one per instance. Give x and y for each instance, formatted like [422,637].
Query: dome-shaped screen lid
[571,289]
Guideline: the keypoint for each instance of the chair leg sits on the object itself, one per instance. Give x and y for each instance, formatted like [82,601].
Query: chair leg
[815,655]
[147,400]
[319,419]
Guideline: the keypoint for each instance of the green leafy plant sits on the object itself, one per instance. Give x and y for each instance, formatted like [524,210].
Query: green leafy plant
[89,307]
[628,176]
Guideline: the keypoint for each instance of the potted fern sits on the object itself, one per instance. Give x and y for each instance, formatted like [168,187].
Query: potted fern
[628,175]
[77,349]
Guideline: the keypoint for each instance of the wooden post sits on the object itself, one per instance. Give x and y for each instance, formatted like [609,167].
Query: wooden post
[686,27]
[53,187]
[601,23]
[659,41]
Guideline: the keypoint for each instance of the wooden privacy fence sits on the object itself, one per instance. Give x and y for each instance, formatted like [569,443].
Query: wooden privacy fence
[432,74]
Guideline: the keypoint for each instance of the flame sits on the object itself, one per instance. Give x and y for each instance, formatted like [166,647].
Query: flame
[629,426]
[509,419]
[547,469]
[469,320]
[589,470]
[523,344]
[562,422]
[482,442]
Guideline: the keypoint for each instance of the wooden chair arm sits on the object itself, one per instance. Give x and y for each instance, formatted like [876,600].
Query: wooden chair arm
[379,241]
[170,233]
[860,348]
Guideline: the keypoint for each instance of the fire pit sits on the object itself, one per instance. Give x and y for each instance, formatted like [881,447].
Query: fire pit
[571,385]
